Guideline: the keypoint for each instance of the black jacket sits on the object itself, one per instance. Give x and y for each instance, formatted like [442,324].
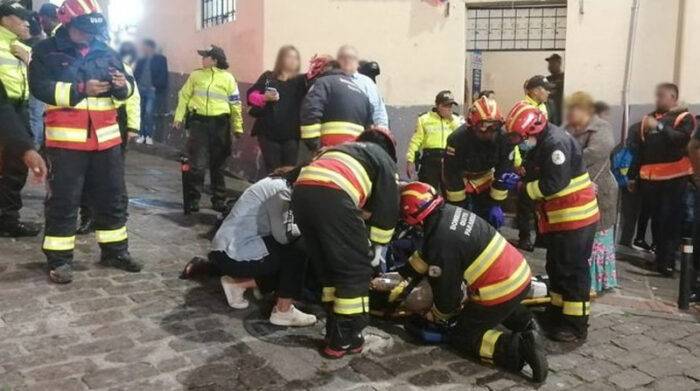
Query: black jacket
[159,72]
[13,133]
[278,121]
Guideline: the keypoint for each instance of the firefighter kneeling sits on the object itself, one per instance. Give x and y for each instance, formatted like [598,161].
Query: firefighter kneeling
[460,247]
[342,189]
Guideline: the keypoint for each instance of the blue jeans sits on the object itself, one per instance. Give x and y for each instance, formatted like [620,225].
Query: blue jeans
[36,119]
[148,105]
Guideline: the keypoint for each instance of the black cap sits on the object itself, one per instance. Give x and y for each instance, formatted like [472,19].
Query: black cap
[444,97]
[91,23]
[49,10]
[538,81]
[554,56]
[14,9]
[214,52]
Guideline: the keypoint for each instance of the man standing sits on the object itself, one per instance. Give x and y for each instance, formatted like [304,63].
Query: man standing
[537,90]
[79,78]
[49,19]
[430,139]
[348,60]
[660,169]
[556,97]
[14,57]
[151,74]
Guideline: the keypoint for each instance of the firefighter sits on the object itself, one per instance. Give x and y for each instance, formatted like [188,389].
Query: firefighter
[660,170]
[567,211]
[212,104]
[348,194]
[335,110]
[430,138]
[461,248]
[14,57]
[79,77]
[479,161]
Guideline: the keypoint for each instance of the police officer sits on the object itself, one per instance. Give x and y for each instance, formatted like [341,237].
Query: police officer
[346,195]
[567,210]
[459,247]
[79,78]
[660,170]
[430,138]
[335,110]
[478,159]
[14,57]
[212,103]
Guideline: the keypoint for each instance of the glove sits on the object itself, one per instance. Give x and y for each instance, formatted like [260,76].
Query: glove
[496,216]
[377,255]
[509,180]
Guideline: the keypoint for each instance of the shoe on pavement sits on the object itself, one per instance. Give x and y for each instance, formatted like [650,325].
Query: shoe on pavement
[335,352]
[149,141]
[534,355]
[140,140]
[123,262]
[218,206]
[566,336]
[61,275]
[234,293]
[641,245]
[526,245]
[86,227]
[293,317]
[19,230]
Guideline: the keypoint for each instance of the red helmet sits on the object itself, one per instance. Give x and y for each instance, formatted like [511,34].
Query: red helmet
[317,65]
[484,109]
[525,119]
[418,200]
[85,14]
[382,136]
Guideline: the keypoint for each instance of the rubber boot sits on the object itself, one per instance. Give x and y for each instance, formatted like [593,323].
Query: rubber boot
[346,335]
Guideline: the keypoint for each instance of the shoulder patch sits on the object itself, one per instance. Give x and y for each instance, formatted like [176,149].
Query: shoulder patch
[558,157]
[450,151]
[434,271]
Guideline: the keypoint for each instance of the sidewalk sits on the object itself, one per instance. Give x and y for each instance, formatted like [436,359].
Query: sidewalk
[110,330]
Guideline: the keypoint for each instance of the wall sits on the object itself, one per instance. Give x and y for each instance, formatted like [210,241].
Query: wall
[689,56]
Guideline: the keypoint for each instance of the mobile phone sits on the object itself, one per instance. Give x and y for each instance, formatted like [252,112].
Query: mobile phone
[271,89]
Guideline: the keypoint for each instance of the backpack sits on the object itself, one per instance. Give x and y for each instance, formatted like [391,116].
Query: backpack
[620,162]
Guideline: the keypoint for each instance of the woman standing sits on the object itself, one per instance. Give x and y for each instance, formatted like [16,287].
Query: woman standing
[212,104]
[596,138]
[275,100]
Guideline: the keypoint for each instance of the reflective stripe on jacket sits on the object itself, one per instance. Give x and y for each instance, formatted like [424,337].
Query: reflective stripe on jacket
[13,72]
[431,132]
[133,106]
[540,106]
[666,170]
[573,207]
[211,93]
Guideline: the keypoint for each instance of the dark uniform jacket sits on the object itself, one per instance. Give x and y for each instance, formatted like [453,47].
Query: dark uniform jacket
[665,146]
[13,133]
[479,160]
[460,247]
[335,110]
[368,175]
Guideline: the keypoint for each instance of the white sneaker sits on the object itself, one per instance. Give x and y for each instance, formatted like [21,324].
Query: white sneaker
[293,317]
[149,140]
[234,294]
[140,140]
[257,294]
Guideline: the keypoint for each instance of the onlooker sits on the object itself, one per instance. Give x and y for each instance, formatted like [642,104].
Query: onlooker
[151,75]
[49,19]
[488,93]
[694,153]
[370,69]
[596,138]
[128,54]
[275,102]
[602,110]
[556,97]
[660,169]
[348,60]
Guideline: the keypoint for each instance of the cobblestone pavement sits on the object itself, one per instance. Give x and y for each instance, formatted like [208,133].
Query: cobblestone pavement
[111,330]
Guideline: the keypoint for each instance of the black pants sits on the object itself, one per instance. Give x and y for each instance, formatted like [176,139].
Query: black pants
[208,147]
[13,176]
[524,215]
[336,240]
[283,270]
[101,174]
[278,154]
[475,335]
[664,200]
[431,168]
[570,278]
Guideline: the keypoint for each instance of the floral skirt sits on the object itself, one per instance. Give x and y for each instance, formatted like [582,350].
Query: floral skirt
[602,261]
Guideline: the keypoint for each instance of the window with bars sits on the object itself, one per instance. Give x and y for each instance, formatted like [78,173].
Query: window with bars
[215,12]
[503,29]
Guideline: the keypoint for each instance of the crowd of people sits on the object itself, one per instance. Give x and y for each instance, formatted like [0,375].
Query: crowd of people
[320,227]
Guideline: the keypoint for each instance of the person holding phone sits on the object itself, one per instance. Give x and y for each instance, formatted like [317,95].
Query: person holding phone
[275,101]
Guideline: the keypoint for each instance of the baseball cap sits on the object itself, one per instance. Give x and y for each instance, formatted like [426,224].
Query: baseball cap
[538,81]
[14,9]
[554,56]
[214,52]
[49,10]
[445,97]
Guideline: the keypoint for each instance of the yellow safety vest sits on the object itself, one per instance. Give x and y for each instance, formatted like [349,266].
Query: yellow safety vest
[13,72]
[211,93]
[133,105]
[540,106]
[431,133]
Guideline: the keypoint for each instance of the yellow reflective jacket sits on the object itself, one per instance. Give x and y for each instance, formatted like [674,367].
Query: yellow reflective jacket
[133,105]
[211,92]
[432,132]
[540,106]
[13,72]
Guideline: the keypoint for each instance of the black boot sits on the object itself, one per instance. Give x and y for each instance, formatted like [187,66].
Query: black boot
[346,335]
[61,274]
[18,229]
[534,355]
[123,261]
